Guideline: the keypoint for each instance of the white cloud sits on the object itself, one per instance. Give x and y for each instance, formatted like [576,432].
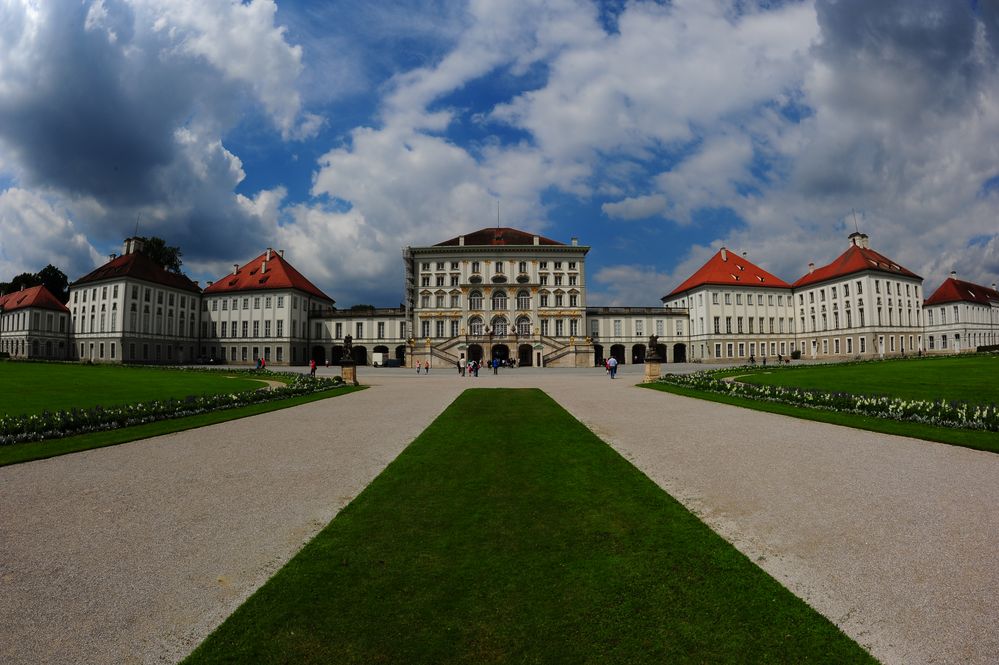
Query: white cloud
[26,217]
[636,207]
[243,42]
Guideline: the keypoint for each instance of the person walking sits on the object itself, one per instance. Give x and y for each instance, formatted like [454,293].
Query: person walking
[312,368]
[495,365]
[461,365]
[612,366]
[426,366]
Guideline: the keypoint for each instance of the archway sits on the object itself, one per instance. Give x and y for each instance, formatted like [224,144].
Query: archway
[319,355]
[475,352]
[638,354]
[400,354]
[598,355]
[360,355]
[524,355]
[661,352]
[336,355]
[679,353]
[501,351]
[618,352]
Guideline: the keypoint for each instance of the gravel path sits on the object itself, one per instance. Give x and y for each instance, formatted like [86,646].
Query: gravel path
[134,553]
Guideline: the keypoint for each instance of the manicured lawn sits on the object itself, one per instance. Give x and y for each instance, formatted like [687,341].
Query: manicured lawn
[27,388]
[970,378]
[508,532]
[26,452]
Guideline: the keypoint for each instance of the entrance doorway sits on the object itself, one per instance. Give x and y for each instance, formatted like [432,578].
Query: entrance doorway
[475,352]
[524,355]
[598,355]
[318,354]
[638,354]
[501,352]
[679,353]
[618,352]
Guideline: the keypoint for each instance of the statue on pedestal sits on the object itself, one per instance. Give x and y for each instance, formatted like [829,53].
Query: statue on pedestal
[653,352]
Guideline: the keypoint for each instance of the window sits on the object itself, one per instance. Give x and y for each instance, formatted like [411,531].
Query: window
[425,300]
[559,299]
[280,329]
[246,329]
[544,326]
[738,298]
[523,300]
[440,280]
[224,329]
[454,265]
[440,265]
[439,300]
[498,268]
[717,325]
[728,324]
[738,324]
[543,280]
[256,329]
[455,300]
[454,327]
[572,280]
[246,303]
[558,265]
[280,302]
[728,298]
[454,280]
[660,327]
[544,300]
[475,266]
[267,328]
[543,265]
[558,280]
[475,326]
[360,330]
[573,300]
[475,300]
[639,327]
[439,328]
[426,266]
[617,327]
[267,302]
[714,298]
[424,328]
[499,300]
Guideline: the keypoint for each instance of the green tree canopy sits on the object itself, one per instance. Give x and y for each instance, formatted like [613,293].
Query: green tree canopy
[165,255]
[52,278]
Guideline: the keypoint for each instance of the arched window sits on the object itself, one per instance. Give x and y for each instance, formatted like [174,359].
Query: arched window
[499,326]
[499,300]
[475,301]
[475,326]
[524,326]
[523,300]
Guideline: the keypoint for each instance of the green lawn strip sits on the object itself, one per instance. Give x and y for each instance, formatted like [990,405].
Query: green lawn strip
[966,378]
[508,532]
[34,387]
[26,452]
[979,440]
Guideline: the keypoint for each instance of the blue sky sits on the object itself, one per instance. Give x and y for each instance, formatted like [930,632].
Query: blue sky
[653,132]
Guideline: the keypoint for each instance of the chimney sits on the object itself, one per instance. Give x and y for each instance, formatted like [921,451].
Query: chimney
[811,268]
[112,256]
[461,241]
[210,282]
[743,253]
[133,245]
[235,268]
[281,253]
[953,274]
[269,250]
[724,254]
[263,267]
[197,283]
[537,240]
[575,242]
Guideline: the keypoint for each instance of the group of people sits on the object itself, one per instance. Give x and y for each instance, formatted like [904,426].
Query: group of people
[610,364]
[472,367]
[425,366]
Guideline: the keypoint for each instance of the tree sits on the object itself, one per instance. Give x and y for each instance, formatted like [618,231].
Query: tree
[362,308]
[50,277]
[55,281]
[165,255]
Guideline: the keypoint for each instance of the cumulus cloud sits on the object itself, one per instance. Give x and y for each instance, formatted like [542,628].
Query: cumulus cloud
[25,217]
[636,207]
[116,108]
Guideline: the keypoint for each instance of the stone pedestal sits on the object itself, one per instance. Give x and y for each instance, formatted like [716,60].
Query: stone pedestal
[653,370]
[348,370]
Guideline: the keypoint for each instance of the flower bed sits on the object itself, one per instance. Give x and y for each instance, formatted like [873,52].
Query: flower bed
[58,424]
[946,414]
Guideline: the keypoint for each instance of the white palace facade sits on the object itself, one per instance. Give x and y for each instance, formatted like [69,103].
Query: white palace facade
[499,293]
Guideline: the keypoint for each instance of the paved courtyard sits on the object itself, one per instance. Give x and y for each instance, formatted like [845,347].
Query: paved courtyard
[134,553]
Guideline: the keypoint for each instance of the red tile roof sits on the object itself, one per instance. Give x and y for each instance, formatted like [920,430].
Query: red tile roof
[500,236]
[141,267]
[36,296]
[279,275]
[855,259]
[956,290]
[728,269]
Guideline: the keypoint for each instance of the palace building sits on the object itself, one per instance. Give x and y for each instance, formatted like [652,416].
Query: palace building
[498,293]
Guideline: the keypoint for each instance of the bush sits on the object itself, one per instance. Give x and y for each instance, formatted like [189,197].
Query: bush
[796,354]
